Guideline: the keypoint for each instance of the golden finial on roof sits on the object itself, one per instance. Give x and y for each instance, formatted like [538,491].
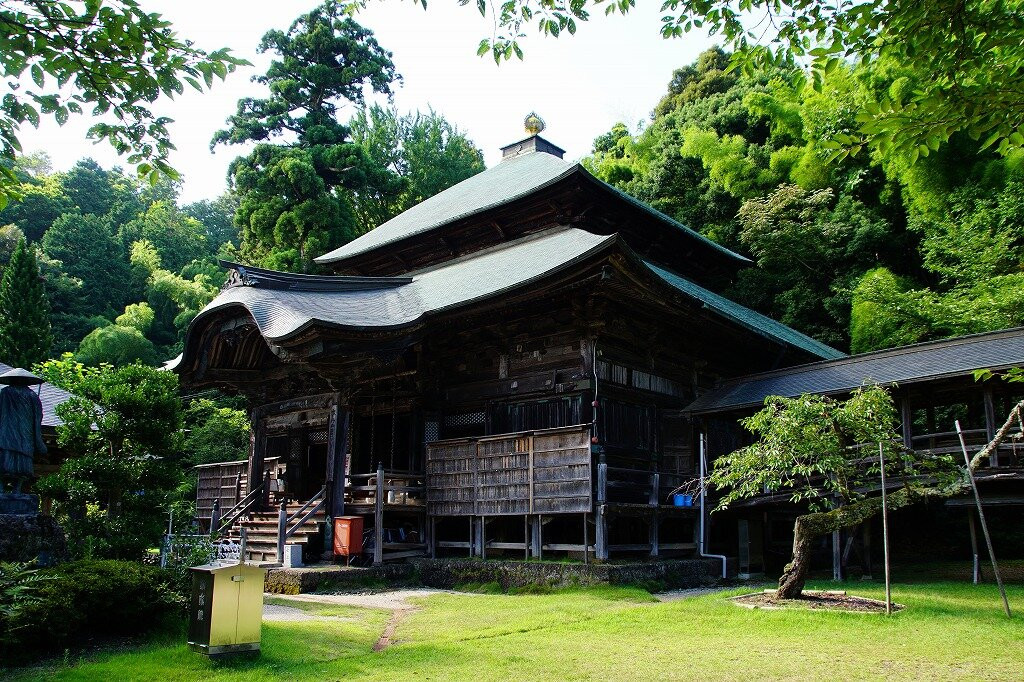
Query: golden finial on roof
[534,123]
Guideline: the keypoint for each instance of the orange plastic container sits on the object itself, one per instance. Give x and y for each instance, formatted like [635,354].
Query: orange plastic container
[348,535]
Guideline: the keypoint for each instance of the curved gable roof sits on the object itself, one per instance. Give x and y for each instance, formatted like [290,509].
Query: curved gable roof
[283,312]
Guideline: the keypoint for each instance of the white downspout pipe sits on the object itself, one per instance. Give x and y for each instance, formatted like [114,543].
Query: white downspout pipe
[703,508]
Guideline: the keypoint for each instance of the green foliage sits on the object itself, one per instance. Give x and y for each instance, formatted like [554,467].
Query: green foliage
[24,311]
[117,345]
[92,599]
[187,295]
[19,589]
[87,249]
[177,237]
[138,316]
[217,218]
[809,449]
[293,203]
[122,432]
[426,153]
[969,55]
[110,57]
[217,433]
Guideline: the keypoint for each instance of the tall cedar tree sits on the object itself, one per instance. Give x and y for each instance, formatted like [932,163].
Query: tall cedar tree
[295,197]
[24,311]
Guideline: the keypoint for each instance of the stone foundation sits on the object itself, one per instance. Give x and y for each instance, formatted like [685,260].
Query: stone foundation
[340,578]
[655,575]
[450,573]
[32,537]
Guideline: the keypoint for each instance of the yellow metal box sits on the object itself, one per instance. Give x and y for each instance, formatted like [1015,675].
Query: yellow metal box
[226,610]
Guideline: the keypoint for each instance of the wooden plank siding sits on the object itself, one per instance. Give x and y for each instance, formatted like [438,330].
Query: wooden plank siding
[539,472]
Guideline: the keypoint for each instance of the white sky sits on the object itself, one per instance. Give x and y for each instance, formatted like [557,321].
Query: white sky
[613,69]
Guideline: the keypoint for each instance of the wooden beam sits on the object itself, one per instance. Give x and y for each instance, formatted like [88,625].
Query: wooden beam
[378,519]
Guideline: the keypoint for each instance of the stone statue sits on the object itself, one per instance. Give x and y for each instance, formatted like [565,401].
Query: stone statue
[21,438]
[25,534]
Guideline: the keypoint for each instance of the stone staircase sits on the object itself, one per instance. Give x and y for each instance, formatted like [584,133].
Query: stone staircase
[261,534]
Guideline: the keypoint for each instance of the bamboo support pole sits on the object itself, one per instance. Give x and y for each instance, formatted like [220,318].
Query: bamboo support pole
[981,517]
[885,533]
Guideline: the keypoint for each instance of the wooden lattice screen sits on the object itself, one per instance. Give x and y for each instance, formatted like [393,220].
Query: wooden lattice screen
[538,472]
[224,481]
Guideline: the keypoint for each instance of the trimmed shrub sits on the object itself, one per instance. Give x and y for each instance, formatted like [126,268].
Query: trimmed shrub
[89,599]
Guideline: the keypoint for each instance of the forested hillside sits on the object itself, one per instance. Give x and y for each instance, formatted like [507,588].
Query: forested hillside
[864,252]
[126,266]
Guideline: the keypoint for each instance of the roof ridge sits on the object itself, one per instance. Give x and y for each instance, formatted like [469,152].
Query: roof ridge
[798,339]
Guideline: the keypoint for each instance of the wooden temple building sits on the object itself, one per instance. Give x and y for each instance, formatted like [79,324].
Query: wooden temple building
[523,365]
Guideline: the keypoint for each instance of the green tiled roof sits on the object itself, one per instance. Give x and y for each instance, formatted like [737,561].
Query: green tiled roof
[746,317]
[921,362]
[509,180]
[282,311]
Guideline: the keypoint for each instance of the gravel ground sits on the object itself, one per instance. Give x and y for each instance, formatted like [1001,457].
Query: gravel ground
[396,599]
[276,612]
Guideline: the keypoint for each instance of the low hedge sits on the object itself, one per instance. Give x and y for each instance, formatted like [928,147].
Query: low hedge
[85,600]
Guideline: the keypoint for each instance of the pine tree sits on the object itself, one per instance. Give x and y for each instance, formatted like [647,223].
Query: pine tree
[24,311]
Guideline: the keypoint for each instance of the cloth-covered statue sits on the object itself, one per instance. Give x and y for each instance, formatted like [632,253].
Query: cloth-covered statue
[21,437]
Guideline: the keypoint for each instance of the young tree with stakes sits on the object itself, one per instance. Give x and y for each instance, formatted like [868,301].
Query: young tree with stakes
[823,453]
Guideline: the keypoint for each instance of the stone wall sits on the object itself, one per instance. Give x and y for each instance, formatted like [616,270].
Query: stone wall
[340,578]
[32,537]
[675,574]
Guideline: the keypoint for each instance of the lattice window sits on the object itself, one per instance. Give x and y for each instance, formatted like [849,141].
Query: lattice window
[318,437]
[431,431]
[465,419]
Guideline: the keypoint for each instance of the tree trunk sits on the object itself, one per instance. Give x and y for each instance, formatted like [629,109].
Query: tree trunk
[791,584]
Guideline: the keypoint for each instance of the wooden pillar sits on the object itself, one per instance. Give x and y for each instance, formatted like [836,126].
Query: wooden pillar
[537,537]
[215,517]
[975,557]
[481,537]
[601,521]
[257,449]
[378,519]
[837,559]
[990,424]
[907,420]
[432,537]
[337,439]
[652,533]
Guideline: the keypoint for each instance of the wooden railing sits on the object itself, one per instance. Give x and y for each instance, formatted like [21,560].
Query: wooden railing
[285,527]
[381,485]
[244,506]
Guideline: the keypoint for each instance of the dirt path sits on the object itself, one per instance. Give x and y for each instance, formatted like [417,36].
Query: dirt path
[676,595]
[396,601]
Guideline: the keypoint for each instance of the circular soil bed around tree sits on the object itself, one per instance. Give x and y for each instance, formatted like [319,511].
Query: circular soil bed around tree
[815,600]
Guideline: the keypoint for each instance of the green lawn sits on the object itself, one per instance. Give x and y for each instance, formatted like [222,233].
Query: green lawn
[949,631]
